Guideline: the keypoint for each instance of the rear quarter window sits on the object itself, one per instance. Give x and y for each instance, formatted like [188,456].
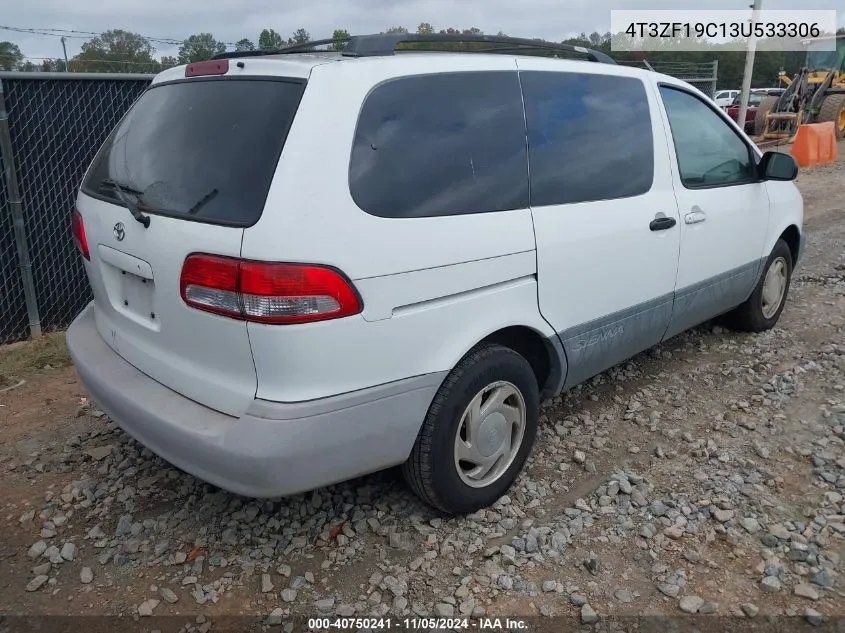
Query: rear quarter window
[437,145]
[589,137]
[201,149]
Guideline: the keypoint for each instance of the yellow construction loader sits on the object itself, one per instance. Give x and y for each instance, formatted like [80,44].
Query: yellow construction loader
[815,95]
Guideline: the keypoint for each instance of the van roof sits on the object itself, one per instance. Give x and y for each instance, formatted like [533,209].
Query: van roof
[295,66]
[298,60]
[301,65]
[384,44]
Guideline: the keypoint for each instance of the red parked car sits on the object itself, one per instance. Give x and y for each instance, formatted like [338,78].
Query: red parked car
[754,100]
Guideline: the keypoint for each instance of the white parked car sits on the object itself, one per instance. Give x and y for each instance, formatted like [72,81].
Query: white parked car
[307,267]
[724,98]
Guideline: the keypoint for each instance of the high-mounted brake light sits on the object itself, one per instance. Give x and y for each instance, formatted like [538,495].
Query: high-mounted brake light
[266,292]
[78,230]
[210,67]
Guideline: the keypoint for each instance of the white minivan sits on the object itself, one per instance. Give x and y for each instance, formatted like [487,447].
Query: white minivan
[308,265]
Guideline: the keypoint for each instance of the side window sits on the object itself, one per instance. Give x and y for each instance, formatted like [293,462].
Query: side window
[446,144]
[710,152]
[589,137]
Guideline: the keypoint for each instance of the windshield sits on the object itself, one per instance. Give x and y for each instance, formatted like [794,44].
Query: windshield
[826,60]
[203,149]
[821,60]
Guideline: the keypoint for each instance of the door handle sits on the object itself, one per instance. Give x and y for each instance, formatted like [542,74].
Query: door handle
[661,223]
[694,217]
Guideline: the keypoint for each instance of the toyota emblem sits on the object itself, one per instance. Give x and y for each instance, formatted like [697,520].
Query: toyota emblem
[119,231]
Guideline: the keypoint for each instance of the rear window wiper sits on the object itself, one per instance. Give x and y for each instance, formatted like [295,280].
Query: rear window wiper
[121,191]
[202,202]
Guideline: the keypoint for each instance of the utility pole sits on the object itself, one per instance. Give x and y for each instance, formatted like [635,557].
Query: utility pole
[64,48]
[749,65]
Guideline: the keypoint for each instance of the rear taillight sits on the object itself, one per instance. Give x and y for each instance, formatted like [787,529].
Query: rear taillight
[211,284]
[78,230]
[265,292]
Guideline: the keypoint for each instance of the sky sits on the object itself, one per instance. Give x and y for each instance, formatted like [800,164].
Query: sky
[231,20]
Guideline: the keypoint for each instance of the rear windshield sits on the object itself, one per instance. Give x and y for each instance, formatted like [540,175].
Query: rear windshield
[204,150]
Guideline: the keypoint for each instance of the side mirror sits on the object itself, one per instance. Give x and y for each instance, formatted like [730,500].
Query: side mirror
[778,166]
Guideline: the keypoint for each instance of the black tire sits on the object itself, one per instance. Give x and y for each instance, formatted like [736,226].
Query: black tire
[832,110]
[749,317]
[763,109]
[430,470]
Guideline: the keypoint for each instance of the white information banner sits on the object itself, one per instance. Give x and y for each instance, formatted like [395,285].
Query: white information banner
[697,29]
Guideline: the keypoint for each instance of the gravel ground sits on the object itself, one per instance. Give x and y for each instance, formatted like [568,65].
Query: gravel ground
[706,476]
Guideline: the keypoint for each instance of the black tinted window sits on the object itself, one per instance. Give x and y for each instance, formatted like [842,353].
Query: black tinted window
[441,145]
[709,151]
[589,137]
[203,149]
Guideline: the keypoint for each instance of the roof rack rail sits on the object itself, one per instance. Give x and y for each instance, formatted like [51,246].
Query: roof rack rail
[384,44]
[292,48]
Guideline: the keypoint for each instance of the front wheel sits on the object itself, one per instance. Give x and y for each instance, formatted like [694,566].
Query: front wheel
[478,432]
[763,308]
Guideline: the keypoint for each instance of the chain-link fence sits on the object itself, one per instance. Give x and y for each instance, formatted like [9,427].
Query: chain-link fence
[13,320]
[55,124]
[701,75]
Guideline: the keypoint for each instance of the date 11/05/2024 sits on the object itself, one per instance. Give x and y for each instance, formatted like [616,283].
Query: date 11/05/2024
[415,624]
[722,29]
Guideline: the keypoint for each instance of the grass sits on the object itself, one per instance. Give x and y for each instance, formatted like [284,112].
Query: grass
[17,360]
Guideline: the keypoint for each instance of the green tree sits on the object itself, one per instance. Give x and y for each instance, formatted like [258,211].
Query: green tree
[300,36]
[199,47]
[117,51]
[10,56]
[244,45]
[595,39]
[339,34]
[270,40]
[425,28]
[168,61]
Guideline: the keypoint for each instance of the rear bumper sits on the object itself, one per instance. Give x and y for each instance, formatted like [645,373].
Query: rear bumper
[274,449]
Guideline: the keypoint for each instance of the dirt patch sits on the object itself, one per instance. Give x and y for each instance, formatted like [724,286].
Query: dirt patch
[18,360]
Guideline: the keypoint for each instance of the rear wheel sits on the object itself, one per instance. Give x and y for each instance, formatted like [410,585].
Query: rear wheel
[763,308]
[763,109]
[833,109]
[478,432]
